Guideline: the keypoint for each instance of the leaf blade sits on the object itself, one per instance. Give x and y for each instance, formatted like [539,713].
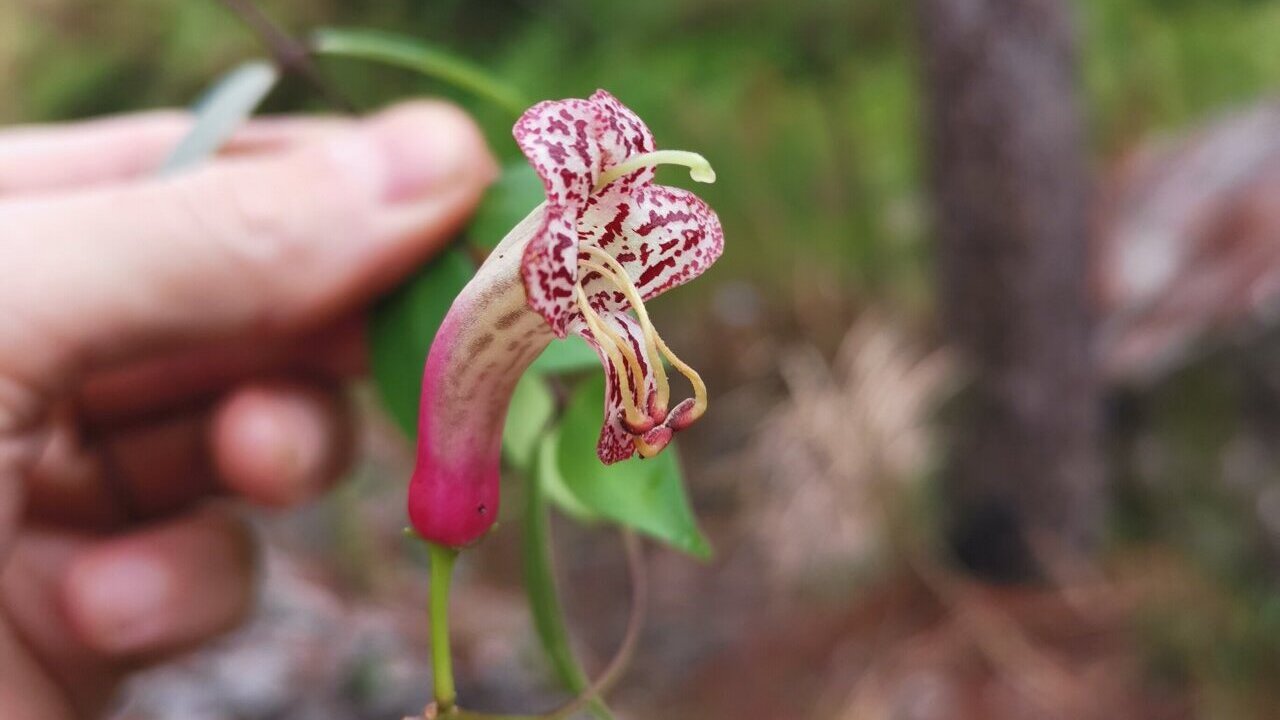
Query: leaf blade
[222,109]
[646,495]
[531,408]
[516,193]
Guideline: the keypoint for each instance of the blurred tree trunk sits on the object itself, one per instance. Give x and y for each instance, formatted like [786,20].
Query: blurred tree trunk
[1010,190]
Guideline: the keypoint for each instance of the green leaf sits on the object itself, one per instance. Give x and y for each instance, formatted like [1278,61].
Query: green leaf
[402,327]
[647,495]
[516,193]
[565,356]
[413,54]
[544,599]
[532,406]
[223,108]
[552,484]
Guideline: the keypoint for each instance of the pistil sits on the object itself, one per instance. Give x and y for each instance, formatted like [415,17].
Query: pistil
[699,169]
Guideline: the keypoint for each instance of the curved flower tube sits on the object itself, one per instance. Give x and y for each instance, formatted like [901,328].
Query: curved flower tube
[606,240]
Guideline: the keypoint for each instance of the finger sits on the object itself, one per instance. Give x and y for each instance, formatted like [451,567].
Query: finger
[57,157]
[133,473]
[277,443]
[161,589]
[281,443]
[256,247]
[162,385]
[273,134]
[79,681]
[27,693]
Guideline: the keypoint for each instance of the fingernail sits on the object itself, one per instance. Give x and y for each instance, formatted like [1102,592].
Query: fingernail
[427,148]
[121,600]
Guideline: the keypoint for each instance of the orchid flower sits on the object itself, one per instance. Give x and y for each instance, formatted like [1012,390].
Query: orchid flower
[606,240]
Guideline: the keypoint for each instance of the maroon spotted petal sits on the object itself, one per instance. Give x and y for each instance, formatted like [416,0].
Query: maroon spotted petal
[560,139]
[621,134]
[662,236]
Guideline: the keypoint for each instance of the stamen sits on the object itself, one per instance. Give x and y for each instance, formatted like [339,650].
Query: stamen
[699,169]
[699,387]
[622,281]
[628,362]
[645,449]
[655,344]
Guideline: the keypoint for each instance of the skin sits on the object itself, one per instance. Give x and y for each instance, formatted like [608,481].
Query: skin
[169,344]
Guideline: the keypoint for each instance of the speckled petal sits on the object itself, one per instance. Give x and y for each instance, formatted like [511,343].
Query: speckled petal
[662,236]
[621,134]
[550,268]
[560,139]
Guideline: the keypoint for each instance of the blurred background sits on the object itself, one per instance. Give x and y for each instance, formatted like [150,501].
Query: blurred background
[993,353]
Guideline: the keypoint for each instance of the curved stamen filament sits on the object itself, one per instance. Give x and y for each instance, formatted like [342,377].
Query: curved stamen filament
[621,354]
[699,169]
[699,387]
[619,277]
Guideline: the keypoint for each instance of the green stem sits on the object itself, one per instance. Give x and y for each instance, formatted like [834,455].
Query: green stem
[413,54]
[442,560]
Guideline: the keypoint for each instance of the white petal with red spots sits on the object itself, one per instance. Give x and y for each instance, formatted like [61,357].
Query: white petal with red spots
[662,236]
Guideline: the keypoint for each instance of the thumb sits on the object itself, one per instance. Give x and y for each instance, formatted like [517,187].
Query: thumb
[251,246]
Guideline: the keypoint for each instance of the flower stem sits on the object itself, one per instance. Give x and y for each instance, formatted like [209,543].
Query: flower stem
[442,560]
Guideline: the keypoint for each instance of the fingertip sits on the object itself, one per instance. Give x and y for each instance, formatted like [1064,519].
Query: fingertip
[163,588]
[280,443]
[431,146]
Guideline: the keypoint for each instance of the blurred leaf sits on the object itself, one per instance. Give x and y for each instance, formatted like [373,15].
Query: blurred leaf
[532,406]
[517,192]
[402,327]
[540,586]
[565,356]
[413,54]
[647,495]
[551,482]
[222,110]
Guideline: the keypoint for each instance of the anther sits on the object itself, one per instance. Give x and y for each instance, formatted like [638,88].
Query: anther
[622,356]
[618,276]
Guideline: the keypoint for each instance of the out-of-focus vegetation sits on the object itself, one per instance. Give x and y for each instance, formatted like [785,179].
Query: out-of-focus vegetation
[809,110]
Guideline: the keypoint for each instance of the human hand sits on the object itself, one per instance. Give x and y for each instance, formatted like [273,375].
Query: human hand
[166,340]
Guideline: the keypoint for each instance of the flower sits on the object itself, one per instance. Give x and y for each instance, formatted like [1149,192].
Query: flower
[606,240]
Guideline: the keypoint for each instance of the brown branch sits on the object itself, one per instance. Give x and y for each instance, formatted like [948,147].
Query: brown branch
[290,55]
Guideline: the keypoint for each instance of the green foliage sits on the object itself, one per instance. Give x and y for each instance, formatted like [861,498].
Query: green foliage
[516,193]
[413,54]
[402,327]
[566,356]
[532,407]
[647,495]
[550,481]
